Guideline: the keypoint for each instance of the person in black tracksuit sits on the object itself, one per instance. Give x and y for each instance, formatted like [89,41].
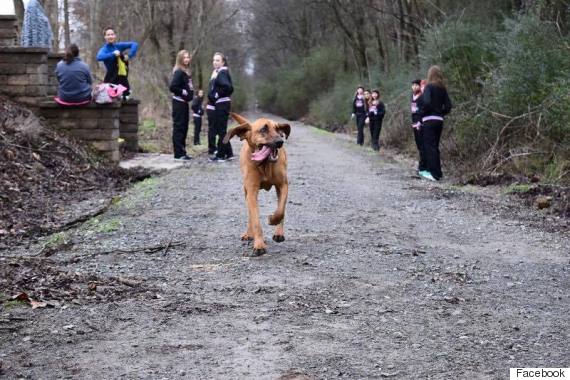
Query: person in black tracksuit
[359,110]
[376,111]
[435,105]
[181,88]
[219,91]
[210,111]
[197,113]
[415,105]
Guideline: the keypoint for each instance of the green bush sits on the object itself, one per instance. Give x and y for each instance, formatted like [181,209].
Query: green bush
[464,49]
[533,56]
[290,91]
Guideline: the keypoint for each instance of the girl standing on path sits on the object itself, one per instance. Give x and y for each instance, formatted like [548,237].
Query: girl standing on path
[112,54]
[219,92]
[435,105]
[376,111]
[212,146]
[181,88]
[415,106]
[359,108]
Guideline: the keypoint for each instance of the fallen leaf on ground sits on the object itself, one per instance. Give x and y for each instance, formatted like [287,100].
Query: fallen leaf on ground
[37,304]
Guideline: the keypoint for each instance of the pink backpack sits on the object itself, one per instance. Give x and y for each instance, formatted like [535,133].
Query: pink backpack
[106,93]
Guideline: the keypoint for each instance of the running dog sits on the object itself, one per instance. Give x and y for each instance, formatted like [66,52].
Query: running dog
[263,164]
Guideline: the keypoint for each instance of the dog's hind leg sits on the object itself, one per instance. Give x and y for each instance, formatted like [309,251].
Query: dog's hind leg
[248,234]
[278,217]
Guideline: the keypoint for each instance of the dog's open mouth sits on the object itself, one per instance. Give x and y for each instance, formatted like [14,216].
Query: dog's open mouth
[265,152]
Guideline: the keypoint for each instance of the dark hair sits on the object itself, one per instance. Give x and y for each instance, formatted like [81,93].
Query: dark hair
[362,87]
[376,91]
[108,28]
[71,53]
[417,81]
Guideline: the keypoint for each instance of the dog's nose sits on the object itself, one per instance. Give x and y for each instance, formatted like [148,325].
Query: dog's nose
[279,143]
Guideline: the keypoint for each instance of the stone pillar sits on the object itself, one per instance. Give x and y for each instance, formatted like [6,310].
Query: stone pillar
[24,74]
[130,124]
[8,30]
[96,124]
[53,59]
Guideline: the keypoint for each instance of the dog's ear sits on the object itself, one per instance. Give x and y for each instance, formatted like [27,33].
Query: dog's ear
[240,130]
[285,128]
[240,119]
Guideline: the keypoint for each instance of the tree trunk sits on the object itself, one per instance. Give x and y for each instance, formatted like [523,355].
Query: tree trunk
[19,7]
[66,23]
[51,8]
[95,32]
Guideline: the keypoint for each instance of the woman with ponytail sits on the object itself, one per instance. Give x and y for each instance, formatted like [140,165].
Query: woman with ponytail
[182,93]
[74,79]
[219,91]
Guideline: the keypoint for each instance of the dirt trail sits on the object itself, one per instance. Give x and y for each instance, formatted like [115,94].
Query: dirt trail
[381,275]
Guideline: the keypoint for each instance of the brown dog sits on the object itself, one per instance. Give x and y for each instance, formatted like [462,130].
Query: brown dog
[263,163]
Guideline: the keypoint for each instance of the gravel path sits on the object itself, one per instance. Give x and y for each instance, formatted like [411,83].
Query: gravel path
[381,275]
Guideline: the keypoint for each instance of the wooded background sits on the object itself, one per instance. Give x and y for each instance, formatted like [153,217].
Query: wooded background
[507,63]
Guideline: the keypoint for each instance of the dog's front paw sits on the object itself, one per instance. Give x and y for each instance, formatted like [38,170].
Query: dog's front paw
[279,238]
[258,252]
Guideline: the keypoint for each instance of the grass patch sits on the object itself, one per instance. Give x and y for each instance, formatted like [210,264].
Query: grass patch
[98,226]
[141,191]
[148,125]
[12,304]
[149,147]
[57,240]
[518,189]
[321,131]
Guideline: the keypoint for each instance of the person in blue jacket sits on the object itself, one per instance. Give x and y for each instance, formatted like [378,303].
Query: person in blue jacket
[116,61]
[74,78]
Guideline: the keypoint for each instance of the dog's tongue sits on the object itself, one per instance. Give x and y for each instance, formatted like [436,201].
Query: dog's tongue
[262,154]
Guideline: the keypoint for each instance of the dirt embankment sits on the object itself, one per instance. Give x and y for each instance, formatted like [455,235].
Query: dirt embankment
[47,181]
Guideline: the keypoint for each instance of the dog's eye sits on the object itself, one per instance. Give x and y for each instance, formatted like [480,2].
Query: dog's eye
[264,129]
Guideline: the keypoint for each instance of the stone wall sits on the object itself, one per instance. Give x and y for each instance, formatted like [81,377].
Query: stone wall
[53,59]
[129,124]
[24,74]
[27,76]
[95,124]
[8,31]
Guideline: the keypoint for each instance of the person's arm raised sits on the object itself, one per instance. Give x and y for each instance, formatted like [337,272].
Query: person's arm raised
[132,46]
[103,55]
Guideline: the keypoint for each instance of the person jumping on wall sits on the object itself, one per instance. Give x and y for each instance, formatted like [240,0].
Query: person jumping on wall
[435,105]
[415,105]
[113,55]
[182,90]
[359,109]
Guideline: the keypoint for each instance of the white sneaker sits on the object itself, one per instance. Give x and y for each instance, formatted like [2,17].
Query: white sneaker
[427,175]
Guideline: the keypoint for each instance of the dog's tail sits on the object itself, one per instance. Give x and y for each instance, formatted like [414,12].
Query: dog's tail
[240,119]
